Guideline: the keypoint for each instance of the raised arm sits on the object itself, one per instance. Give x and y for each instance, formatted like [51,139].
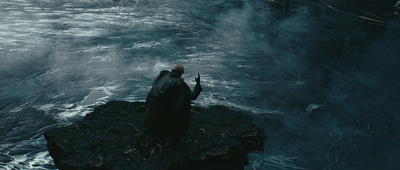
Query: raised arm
[197,89]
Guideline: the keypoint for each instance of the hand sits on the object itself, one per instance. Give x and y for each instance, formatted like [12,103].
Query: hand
[197,78]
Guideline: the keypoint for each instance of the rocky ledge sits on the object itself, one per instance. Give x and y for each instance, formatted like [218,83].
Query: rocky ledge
[218,138]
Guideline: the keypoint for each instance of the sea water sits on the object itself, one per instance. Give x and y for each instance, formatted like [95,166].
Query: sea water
[329,85]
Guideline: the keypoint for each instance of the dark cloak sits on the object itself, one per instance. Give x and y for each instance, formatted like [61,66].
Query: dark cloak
[168,104]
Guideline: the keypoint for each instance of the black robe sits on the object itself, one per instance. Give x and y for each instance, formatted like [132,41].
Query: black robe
[168,104]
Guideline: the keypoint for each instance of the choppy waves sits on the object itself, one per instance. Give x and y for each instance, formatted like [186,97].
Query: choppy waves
[61,59]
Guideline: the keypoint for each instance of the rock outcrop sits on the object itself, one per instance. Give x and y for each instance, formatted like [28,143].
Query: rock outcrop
[218,138]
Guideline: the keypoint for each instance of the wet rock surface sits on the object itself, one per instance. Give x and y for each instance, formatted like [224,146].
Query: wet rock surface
[218,138]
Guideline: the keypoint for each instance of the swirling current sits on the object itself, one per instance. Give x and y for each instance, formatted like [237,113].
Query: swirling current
[326,73]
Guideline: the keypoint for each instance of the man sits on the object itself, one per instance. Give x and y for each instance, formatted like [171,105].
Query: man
[168,103]
[397,8]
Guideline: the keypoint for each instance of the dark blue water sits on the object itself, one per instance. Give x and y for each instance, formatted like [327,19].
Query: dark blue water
[60,59]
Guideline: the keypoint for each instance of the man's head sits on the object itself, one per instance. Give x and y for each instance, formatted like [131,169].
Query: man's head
[179,68]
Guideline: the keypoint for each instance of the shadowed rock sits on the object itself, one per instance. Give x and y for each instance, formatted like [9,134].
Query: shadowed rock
[218,138]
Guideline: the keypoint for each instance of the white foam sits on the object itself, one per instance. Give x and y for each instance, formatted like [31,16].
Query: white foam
[70,113]
[209,99]
[28,161]
[45,107]
[94,98]
[263,160]
[20,107]
[97,96]
[311,107]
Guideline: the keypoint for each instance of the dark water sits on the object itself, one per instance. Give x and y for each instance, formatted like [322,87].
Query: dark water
[62,58]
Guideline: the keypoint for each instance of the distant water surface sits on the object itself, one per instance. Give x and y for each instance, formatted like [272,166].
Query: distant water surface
[60,59]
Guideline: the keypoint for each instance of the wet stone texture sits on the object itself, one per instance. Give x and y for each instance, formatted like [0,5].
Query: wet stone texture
[218,138]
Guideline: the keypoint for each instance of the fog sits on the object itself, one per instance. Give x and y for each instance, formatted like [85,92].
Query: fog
[60,59]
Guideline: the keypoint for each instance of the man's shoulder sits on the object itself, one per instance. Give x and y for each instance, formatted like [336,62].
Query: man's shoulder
[179,80]
[163,72]
[176,80]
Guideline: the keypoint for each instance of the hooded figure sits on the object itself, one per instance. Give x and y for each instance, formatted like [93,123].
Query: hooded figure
[168,103]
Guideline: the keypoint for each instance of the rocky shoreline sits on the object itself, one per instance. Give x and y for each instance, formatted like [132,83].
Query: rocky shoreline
[218,138]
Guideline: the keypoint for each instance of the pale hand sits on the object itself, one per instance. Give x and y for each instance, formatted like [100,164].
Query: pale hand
[197,78]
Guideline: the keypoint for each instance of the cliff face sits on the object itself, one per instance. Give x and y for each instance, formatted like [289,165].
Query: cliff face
[217,138]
